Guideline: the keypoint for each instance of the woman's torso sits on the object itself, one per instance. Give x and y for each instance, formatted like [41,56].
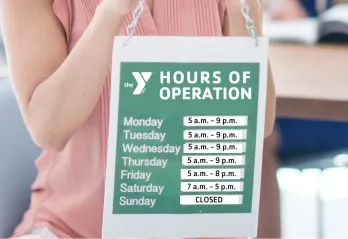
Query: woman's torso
[68,193]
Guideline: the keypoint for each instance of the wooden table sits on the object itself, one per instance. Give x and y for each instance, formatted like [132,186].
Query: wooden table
[311,81]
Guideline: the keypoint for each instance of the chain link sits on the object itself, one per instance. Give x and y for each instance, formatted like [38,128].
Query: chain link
[136,16]
[249,23]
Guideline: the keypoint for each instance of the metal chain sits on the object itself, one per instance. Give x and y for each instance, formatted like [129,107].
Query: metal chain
[136,16]
[249,23]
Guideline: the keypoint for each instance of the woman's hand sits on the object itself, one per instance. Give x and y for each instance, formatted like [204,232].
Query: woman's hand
[116,8]
[235,23]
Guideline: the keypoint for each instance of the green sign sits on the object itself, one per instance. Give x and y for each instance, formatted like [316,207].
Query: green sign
[186,138]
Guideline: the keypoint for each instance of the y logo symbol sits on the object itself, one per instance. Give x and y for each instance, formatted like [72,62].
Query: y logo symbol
[142,78]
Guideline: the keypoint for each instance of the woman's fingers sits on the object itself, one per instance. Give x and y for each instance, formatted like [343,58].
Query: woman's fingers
[236,21]
[118,7]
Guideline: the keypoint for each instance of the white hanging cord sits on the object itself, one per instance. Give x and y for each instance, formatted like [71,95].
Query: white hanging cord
[249,23]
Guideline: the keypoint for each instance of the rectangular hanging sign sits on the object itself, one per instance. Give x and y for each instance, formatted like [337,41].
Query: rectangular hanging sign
[186,137]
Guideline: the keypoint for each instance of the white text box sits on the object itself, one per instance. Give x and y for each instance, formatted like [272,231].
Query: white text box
[211,199]
[216,173]
[209,160]
[216,121]
[212,186]
[210,134]
[215,147]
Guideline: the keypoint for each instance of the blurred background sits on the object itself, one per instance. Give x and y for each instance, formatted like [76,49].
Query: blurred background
[305,192]
[309,58]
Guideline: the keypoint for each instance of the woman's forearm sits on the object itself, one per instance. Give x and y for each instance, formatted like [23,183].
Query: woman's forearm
[70,94]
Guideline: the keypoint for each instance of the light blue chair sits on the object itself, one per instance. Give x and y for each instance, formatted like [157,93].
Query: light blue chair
[17,157]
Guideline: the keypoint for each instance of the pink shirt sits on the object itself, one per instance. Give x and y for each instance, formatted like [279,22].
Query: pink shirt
[68,193]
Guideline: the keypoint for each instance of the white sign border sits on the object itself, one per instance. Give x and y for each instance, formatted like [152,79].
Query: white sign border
[182,49]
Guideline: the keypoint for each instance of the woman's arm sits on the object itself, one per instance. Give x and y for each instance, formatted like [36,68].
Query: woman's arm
[235,26]
[56,92]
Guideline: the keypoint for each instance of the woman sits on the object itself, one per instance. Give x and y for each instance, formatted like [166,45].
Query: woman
[59,54]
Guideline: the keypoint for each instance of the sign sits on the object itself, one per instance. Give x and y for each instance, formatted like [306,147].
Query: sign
[186,137]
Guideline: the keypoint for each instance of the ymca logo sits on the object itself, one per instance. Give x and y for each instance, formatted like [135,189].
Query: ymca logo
[142,78]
